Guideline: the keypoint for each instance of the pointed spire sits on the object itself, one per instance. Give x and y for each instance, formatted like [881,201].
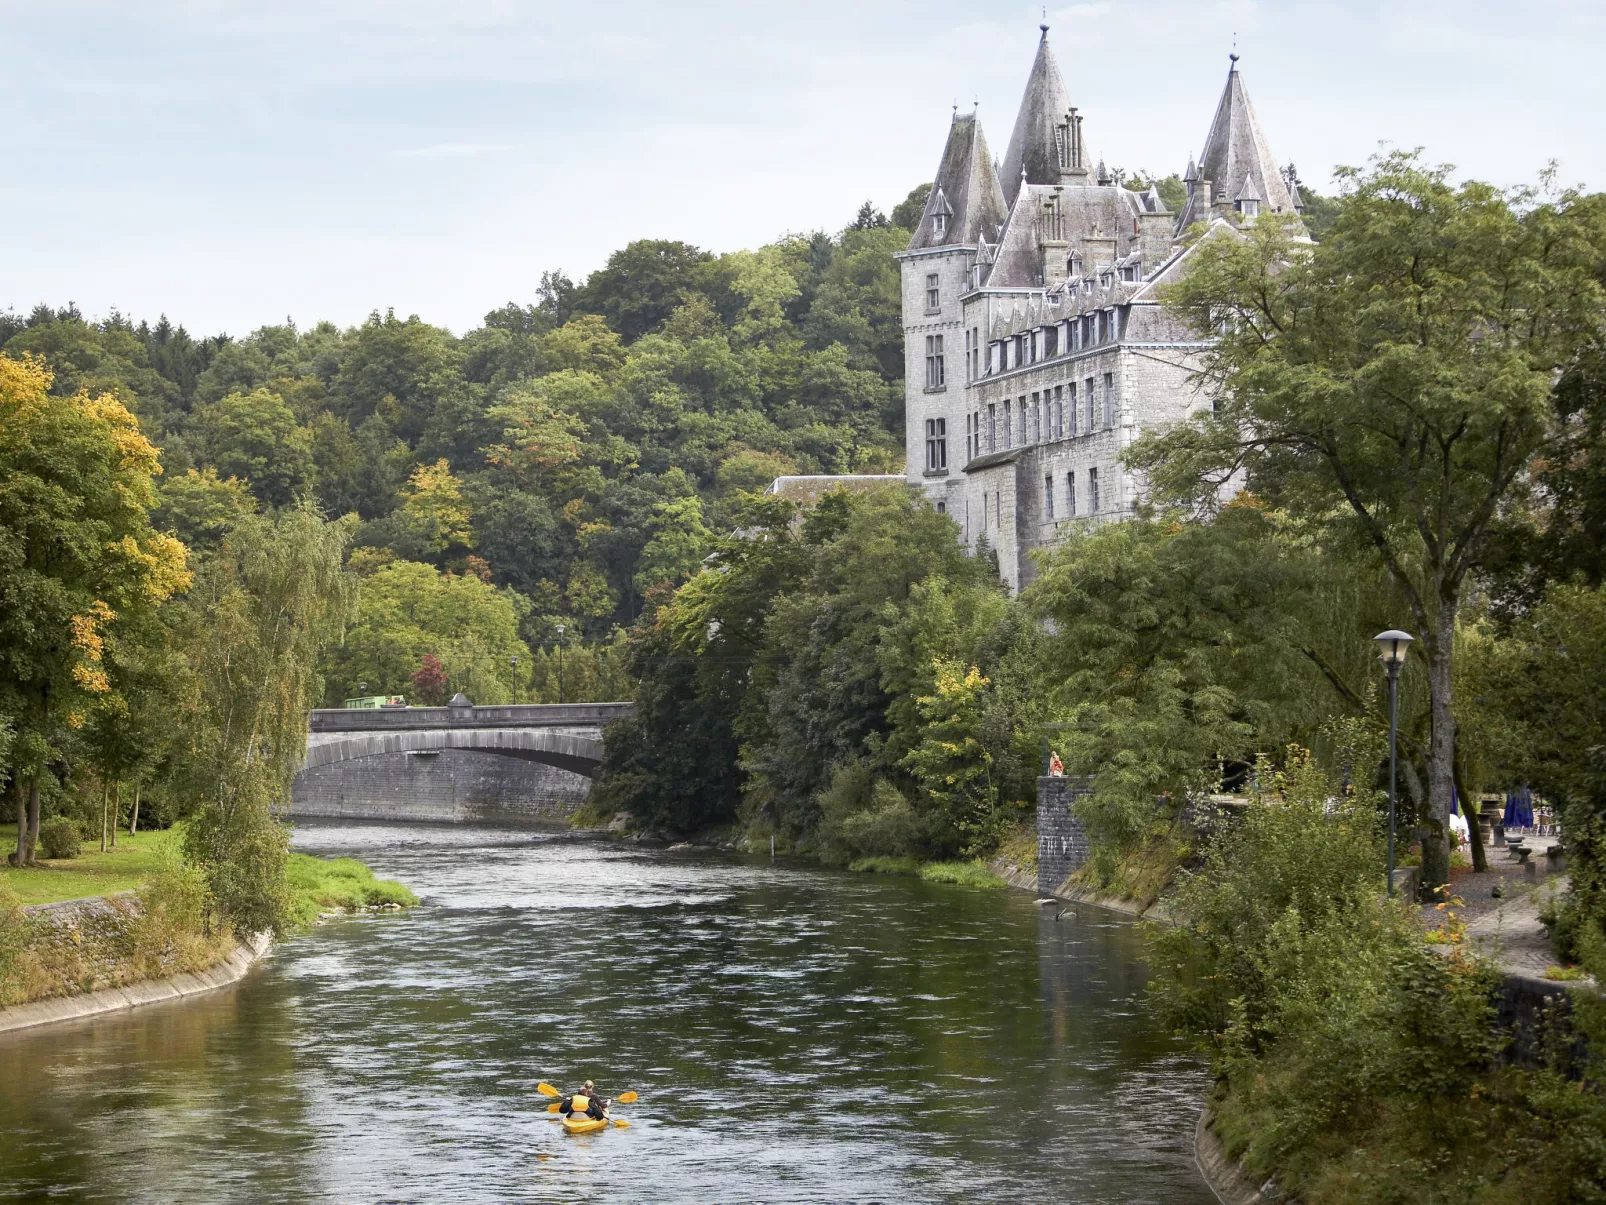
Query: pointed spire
[1040,145]
[966,203]
[1236,150]
[1192,174]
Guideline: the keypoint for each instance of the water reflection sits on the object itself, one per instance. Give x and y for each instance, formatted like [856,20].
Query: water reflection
[795,1034]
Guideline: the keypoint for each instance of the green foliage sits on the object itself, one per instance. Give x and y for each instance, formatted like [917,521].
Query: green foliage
[1392,384]
[199,508]
[961,874]
[951,764]
[255,437]
[325,884]
[880,864]
[806,648]
[406,610]
[258,621]
[59,837]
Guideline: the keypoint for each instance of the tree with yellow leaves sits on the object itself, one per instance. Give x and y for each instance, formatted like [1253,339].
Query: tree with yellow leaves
[79,562]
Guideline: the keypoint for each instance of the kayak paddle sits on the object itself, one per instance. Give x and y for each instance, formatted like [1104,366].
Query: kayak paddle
[546,1089]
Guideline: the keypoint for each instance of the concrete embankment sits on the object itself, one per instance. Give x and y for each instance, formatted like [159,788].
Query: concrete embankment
[70,919]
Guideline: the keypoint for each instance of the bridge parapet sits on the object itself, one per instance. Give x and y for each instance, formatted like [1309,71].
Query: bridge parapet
[508,715]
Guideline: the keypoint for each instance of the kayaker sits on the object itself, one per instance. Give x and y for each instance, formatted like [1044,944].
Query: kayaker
[595,1107]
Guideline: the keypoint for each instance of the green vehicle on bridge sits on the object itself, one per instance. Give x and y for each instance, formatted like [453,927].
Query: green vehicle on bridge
[377,701]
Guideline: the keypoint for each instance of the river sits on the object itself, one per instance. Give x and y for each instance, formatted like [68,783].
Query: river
[796,1034]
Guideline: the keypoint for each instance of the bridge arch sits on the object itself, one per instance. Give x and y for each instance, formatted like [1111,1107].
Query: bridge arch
[565,750]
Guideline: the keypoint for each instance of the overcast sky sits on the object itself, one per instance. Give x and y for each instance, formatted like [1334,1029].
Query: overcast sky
[231,164]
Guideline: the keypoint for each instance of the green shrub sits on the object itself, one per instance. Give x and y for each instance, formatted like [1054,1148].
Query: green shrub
[59,837]
[963,874]
[345,884]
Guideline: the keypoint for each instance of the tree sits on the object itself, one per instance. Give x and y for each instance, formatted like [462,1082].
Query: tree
[256,626]
[641,285]
[79,563]
[433,516]
[199,508]
[1392,385]
[407,610]
[678,544]
[255,436]
[430,681]
[951,763]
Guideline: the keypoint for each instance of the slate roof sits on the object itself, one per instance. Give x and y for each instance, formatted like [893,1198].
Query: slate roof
[965,190]
[1237,159]
[1031,146]
[1107,209]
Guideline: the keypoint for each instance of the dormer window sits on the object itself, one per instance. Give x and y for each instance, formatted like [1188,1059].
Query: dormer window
[1249,209]
[939,224]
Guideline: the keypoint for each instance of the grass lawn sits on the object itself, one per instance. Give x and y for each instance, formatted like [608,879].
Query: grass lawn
[91,873]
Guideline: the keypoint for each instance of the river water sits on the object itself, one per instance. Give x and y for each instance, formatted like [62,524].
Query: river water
[795,1034]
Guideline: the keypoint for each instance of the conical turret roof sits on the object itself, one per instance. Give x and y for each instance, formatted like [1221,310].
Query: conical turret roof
[965,194]
[1032,146]
[1237,156]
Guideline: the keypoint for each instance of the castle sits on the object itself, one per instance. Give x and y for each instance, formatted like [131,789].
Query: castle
[1036,347]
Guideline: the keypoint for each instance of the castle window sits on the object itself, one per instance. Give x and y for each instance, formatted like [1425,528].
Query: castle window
[942,508]
[1087,394]
[1050,342]
[992,426]
[1035,434]
[1070,404]
[1070,495]
[933,293]
[1048,497]
[934,373]
[939,224]
[1059,412]
[1092,491]
[998,509]
[1109,399]
[1250,209]
[1009,424]
[936,444]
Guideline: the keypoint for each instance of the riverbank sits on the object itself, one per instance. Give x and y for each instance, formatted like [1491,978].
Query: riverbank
[228,970]
[63,958]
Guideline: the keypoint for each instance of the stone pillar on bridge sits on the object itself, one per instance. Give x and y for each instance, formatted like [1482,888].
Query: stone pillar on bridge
[1061,841]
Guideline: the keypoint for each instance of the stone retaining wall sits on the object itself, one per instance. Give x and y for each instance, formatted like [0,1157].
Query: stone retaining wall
[451,786]
[1061,841]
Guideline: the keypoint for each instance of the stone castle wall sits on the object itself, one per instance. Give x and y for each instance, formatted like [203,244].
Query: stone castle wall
[449,786]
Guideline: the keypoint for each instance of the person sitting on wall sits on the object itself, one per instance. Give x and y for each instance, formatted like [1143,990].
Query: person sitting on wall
[1056,768]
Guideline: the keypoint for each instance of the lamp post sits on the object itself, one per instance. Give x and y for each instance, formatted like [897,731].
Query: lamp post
[560,663]
[515,660]
[1392,647]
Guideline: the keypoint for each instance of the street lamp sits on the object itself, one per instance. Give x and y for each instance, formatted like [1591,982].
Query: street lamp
[515,660]
[560,663]
[1392,647]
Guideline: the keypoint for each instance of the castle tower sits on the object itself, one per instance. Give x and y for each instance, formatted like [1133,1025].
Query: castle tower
[964,211]
[1237,171]
[1046,146]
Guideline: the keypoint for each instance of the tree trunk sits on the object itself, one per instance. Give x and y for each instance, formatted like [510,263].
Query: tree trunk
[133,818]
[117,809]
[105,800]
[1469,810]
[33,821]
[1441,754]
[22,821]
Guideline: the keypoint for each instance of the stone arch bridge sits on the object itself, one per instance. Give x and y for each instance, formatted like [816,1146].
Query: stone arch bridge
[529,763]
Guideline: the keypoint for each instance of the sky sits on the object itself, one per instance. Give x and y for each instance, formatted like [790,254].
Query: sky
[232,164]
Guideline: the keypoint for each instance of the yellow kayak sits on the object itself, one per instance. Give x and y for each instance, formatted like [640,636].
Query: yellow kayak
[582,1124]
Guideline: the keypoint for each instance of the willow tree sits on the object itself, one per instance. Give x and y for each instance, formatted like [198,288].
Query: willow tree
[1393,385]
[263,609]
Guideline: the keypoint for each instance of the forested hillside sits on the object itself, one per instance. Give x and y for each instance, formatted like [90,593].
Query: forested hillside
[546,468]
